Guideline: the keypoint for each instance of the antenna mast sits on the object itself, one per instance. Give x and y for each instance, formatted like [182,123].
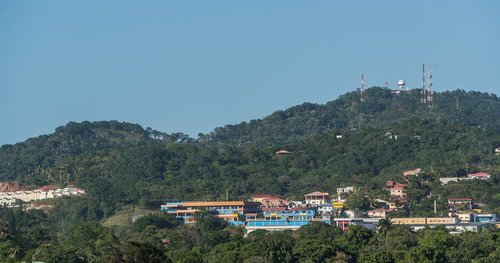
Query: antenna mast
[362,94]
[424,95]
[429,86]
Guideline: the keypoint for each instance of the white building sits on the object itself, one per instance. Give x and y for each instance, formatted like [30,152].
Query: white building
[345,190]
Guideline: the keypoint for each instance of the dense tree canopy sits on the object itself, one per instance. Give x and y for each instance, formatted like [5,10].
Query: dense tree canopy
[121,165]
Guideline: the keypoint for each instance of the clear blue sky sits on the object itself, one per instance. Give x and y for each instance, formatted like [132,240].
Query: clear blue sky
[192,66]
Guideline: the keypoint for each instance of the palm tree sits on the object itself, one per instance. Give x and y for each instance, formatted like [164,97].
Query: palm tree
[384,226]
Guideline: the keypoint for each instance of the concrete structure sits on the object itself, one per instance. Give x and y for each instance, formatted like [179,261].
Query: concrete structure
[273,202]
[317,198]
[454,229]
[8,199]
[474,218]
[414,172]
[398,191]
[293,204]
[425,220]
[482,176]
[378,213]
[259,197]
[325,208]
[275,219]
[345,190]
[465,217]
[230,211]
[345,223]
[445,180]
[463,203]
[484,218]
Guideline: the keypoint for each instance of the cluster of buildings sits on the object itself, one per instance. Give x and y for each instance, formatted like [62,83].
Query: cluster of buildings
[263,211]
[471,176]
[14,199]
[272,213]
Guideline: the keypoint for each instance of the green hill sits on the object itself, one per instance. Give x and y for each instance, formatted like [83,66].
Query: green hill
[127,170]
[122,163]
[382,107]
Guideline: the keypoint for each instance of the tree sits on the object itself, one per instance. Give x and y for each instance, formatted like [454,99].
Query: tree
[357,202]
[383,227]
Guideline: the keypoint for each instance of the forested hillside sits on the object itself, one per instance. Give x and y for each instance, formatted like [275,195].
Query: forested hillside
[136,164]
[382,107]
[342,143]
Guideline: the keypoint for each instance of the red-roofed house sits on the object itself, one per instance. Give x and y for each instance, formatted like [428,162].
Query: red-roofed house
[49,188]
[483,176]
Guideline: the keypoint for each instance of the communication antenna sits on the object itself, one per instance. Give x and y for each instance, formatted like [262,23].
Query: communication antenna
[429,86]
[423,99]
[386,85]
[362,95]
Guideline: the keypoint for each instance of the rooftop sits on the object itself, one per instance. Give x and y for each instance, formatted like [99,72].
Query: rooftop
[317,194]
[479,175]
[460,199]
[213,203]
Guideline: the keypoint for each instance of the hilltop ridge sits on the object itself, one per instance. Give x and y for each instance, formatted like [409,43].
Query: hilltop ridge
[381,107]
[110,159]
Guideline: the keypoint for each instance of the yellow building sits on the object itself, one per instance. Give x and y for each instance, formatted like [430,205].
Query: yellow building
[424,220]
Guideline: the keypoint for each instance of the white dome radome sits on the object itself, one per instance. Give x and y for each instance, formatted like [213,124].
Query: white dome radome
[401,82]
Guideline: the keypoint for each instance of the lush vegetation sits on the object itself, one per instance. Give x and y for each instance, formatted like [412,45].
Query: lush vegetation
[159,238]
[122,164]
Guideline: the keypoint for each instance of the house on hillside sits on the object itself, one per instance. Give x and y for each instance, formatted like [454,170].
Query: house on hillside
[398,191]
[259,197]
[378,213]
[460,203]
[345,190]
[414,172]
[274,202]
[317,198]
[482,176]
[445,180]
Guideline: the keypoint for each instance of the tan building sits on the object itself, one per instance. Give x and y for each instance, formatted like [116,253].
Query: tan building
[317,198]
[424,220]
[260,197]
[378,213]
[412,172]
[398,191]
